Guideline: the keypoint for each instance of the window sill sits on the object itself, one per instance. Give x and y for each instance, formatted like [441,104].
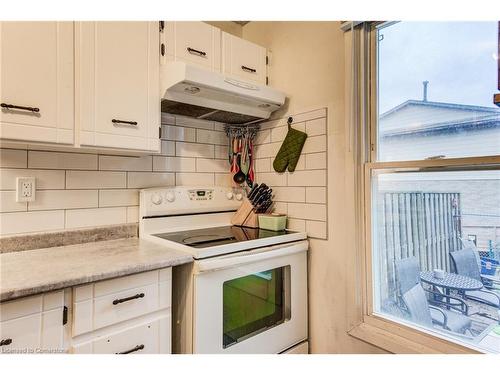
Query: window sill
[401,339]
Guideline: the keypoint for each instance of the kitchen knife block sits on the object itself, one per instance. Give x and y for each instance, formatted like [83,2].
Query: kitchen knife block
[245,216]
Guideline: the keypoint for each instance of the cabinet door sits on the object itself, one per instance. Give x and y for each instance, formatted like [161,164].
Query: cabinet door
[36,71]
[117,79]
[243,59]
[195,43]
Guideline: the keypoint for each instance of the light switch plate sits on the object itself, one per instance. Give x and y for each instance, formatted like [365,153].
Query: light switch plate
[25,189]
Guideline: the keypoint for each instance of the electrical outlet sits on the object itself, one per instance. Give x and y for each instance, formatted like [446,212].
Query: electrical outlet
[25,189]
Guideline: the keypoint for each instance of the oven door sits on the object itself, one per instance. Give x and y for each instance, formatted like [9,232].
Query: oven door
[251,302]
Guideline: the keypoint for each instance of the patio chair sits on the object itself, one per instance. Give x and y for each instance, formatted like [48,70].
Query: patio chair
[488,268]
[414,298]
[465,263]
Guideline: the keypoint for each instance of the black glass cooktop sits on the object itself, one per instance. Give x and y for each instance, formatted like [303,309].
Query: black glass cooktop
[208,237]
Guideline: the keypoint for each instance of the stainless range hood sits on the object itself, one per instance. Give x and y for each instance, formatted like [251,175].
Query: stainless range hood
[196,92]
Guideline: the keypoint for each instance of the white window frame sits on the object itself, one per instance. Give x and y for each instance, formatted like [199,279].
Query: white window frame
[390,334]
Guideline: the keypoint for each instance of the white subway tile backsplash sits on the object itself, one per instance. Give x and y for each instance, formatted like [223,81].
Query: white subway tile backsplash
[307,211]
[267,150]
[194,150]
[133,214]
[35,221]
[61,160]
[315,161]
[8,202]
[173,164]
[125,163]
[298,225]
[317,229]
[263,136]
[212,165]
[310,115]
[273,178]
[223,179]
[95,180]
[178,133]
[92,217]
[194,179]
[10,158]
[307,178]
[168,148]
[289,194]
[280,207]
[211,136]
[221,152]
[194,123]
[167,119]
[64,199]
[316,194]
[263,165]
[314,144]
[45,179]
[118,197]
[139,180]
[316,127]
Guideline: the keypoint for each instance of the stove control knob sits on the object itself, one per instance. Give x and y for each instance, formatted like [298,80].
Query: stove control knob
[170,196]
[229,195]
[156,198]
[239,197]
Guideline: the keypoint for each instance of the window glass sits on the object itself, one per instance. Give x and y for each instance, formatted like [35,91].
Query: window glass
[436,82]
[253,304]
[436,252]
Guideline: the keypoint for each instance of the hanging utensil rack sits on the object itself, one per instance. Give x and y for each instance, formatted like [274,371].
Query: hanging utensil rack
[240,149]
[238,131]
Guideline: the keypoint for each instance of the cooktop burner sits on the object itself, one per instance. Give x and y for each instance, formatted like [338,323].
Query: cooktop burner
[208,237]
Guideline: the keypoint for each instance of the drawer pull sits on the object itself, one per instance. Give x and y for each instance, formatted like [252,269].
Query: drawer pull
[247,69]
[196,52]
[12,106]
[5,342]
[115,121]
[137,348]
[117,301]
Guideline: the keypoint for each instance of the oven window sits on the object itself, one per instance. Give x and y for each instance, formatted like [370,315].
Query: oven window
[255,303]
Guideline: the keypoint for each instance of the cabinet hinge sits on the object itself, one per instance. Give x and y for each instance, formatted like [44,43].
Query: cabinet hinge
[162,49]
[162,26]
[267,60]
[267,80]
[65,315]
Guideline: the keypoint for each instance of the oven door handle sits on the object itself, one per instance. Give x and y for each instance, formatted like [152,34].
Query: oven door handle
[253,256]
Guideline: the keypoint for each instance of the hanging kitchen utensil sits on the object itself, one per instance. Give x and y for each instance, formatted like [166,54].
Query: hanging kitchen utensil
[251,173]
[289,152]
[239,176]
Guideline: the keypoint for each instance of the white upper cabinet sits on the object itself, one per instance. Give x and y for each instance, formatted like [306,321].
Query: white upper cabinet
[36,82]
[195,43]
[243,59]
[117,84]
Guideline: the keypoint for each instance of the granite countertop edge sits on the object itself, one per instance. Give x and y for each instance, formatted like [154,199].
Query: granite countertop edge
[34,286]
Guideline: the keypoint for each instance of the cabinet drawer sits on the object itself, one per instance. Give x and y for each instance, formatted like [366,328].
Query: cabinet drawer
[109,302]
[196,43]
[148,338]
[243,59]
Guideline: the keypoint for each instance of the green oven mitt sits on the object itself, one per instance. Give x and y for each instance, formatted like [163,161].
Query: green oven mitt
[289,152]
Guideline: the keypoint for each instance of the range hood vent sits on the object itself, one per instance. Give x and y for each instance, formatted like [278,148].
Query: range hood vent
[196,92]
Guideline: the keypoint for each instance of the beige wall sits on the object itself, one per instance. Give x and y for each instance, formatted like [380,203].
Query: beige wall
[228,26]
[307,62]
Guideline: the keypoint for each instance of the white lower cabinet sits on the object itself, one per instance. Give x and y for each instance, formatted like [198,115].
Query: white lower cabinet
[146,338]
[129,314]
[125,315]
[33,324]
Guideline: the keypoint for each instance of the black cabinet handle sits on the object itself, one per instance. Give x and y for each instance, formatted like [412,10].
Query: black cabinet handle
[115,121]
[117,301]
[12,106]
[137,348]
[246,68]
[196,52]
[5,342]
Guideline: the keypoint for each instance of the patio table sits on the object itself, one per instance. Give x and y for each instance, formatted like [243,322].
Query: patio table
[451,281]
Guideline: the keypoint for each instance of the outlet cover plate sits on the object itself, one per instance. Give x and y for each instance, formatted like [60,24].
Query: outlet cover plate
[25,189]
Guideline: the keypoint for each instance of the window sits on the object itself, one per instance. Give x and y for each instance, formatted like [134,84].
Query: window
[434,179]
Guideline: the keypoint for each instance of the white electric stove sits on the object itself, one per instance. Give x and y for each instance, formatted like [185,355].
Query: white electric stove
[246,291]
